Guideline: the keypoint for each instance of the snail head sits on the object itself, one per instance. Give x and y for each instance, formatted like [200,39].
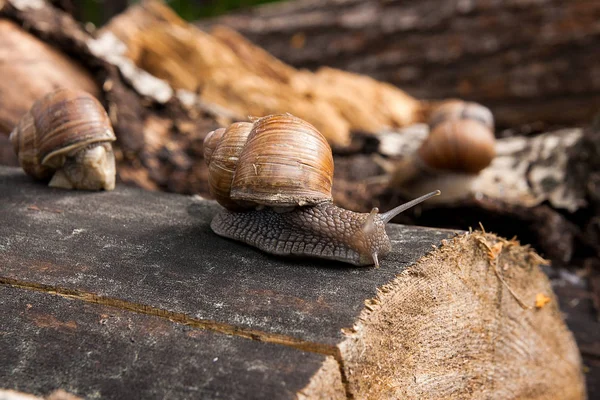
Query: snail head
[371,239]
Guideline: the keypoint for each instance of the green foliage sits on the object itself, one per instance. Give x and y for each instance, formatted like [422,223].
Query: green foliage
[90,11]
[95,11]
[193,10]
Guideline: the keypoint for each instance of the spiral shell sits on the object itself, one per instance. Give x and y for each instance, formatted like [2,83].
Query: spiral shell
[222,150]
[278,161]
[58,126]
[459,145]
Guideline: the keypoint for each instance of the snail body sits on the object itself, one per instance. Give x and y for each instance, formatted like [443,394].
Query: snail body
[65,138]
[282,203]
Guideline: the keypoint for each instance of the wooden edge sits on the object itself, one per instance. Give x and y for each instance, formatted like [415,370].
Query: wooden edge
[326,383]
[476,318]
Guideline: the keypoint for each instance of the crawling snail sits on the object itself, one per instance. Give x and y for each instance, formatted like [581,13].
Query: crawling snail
[461,142]
[65,138]
[274,177]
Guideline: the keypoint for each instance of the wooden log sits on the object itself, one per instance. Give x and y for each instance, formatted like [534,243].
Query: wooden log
[336,102]
[103,351]
[528,61]
[30,69]
[448,314]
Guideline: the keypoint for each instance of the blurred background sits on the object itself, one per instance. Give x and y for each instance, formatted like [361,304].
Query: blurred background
[100,11]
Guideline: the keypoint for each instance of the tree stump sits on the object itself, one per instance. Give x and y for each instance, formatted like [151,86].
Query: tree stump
[129,293]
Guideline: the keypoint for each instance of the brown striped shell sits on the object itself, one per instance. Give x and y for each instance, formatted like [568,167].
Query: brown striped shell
[460,146]
[461,138]
[278,161]
[58,125]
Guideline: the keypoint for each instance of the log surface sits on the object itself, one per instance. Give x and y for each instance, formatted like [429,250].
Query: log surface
[158,249]
[96,351]
[367,332]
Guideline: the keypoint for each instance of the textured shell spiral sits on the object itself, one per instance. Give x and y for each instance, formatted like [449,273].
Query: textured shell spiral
[58,125]
[278,160]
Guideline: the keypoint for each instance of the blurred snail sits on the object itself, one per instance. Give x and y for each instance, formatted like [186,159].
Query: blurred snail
[66,138]
[274,177]
[461,141]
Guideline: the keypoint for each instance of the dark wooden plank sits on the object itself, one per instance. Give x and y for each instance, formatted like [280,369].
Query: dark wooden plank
[48,342]
[157,249]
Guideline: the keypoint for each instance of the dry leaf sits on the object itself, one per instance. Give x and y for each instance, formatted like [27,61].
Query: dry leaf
[541,300]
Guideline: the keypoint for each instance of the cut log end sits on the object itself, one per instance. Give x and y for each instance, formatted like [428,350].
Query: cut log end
[326,383]
[465,321]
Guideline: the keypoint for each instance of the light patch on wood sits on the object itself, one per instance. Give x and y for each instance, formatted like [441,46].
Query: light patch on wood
[49,321]
[24,5]
[110,49]
[529,171]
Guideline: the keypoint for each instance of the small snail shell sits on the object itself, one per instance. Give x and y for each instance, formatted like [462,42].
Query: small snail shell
[274,177]
[461,138]
[66,138]
[460,144]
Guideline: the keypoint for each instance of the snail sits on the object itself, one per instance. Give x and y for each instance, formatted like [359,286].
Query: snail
[65,138]
[461,142]
[274,177]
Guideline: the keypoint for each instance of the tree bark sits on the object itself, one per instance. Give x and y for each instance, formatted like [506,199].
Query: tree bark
[529,61]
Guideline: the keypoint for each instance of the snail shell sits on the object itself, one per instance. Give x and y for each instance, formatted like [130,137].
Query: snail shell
[458,145]
[461,138]
[278,161]
[66,137]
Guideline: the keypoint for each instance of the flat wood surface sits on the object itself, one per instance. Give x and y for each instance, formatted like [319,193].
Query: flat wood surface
[150,258]
[149,261]
[156,251]
[49,342]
